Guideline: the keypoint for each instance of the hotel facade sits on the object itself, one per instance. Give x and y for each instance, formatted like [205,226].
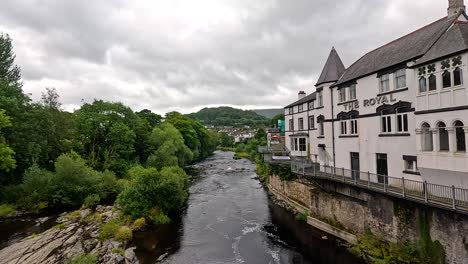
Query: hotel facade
[401,110]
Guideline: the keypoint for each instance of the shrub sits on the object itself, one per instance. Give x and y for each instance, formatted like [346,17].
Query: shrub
[139,224]
[124,234]
[157,217]
[301,217]
[165,190]
[7,210]
[91,200]
[83,259]
[109,229]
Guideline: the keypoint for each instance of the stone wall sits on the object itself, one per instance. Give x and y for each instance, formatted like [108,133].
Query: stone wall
[357,210]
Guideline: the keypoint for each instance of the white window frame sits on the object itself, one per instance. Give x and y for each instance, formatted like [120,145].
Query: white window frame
[291,124]
[321,128]
[302,145]
[291,111]
[389,119]
[311,105]
[300,108]
[426,87]
[311,122]
[354,127]
[411,166]
[343,127]
[320,98]
[384,83]
[400,74]
[300,122]
[461,76]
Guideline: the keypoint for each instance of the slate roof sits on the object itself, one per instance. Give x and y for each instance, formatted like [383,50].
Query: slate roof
[404,49]
[455,40]
[332,70]
[306,99]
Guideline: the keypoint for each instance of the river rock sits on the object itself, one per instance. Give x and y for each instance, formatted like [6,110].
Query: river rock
[72,237]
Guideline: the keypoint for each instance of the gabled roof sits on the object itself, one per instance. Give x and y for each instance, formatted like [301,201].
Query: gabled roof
[402,50]
[455,40]
[306,99]
[332,70]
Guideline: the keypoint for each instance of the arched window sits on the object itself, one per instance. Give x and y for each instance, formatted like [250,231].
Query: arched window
[460,133]
[443,137]
[433,82]
[427,143]
[446,79]
[422,85]
[457,77]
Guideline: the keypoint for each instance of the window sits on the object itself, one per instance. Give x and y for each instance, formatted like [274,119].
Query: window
[291,124]
[432,82]
[422,85]
[311,105]
[443,137]
[320,98]
[400,79]
[321,127]
[446,79]
[427,140]
[354,128]
[460,134]
[296,144]
[386,123]
[344,127]
[290,110]
[301,107]
[384,83]
[301,123]
[352,92]
[311,122]
[457,77]
[342,95]
[302,144]
[411,164]
[402,123]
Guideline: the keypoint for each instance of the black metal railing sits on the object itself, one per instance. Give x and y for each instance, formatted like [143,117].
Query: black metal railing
[438,195]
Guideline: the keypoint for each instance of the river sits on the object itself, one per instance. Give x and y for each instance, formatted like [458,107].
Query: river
[230,219]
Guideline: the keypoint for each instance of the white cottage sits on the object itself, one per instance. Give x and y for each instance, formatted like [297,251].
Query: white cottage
[400,110]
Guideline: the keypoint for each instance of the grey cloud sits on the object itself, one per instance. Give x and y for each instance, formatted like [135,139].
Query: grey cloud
[148,54]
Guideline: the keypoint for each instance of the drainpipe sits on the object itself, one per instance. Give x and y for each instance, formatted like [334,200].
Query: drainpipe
[333,127]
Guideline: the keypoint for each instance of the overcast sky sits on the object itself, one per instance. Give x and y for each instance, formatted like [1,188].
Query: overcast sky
[184,55]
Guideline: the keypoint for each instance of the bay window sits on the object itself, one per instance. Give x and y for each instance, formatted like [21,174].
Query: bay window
[457,77]
[432,82]
[446,79]
[302,144]
[422,85]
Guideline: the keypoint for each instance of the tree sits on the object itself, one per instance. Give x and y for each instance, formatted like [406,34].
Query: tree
[146,122]
[50,99]
[7,162]
[168,148]
[226,140]
[276,118]
[9,72]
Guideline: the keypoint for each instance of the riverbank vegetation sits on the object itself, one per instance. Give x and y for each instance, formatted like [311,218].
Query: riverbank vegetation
[102,152]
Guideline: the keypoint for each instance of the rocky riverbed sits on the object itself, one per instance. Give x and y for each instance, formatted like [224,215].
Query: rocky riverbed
[76,234]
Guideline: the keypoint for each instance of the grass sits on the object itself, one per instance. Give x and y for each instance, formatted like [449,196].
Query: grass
[124,234]
[83,259]
[139,224]
[241,155]
[7,210]
[109,229]
[119,251]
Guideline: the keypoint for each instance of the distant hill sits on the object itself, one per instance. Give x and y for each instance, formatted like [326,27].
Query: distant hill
[269,113]
[228,116]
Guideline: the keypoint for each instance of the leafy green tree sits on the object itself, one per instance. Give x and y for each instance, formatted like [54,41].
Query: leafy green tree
[7,162]
[146,122]
[275,119]
[228,116]
[168,147]
[150,117]
[106,132]
[9,72]
[226,140]
[151,190]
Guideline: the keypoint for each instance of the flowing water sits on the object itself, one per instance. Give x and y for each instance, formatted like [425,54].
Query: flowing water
[230,219]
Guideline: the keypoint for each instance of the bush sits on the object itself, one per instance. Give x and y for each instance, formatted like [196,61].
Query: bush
[83,259]
[7,210]
[139,224]
[91,201]
[109,229]
[165,190]
[301,217]
[157,217]
[124,234]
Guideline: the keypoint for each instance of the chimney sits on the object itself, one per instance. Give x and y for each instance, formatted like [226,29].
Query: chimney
[302,94]
[455,6]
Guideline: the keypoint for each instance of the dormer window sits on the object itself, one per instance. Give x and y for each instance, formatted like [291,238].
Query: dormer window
[342,95]
[400,79]
[422,85]
[457,77]
[432,82]
[384,83]
[352,92]
[446,79]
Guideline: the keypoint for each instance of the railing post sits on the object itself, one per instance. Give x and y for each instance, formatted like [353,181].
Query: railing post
[385,183]
[368,179]
[454,204]
[426,196]
[403,183]
[355,177]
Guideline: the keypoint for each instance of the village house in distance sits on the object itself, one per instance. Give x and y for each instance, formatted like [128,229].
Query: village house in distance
[401,110]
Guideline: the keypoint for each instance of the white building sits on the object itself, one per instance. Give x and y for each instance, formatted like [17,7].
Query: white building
[400,110]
